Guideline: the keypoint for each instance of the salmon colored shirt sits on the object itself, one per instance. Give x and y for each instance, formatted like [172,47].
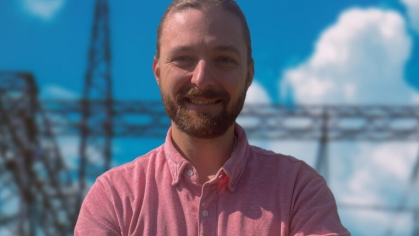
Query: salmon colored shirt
[256,192]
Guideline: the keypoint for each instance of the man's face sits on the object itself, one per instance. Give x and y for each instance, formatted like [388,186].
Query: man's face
[203,70]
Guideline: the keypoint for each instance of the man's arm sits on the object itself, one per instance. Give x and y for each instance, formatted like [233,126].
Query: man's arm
[97,214]
[315,211]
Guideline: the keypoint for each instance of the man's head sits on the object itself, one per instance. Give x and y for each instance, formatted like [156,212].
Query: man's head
[227,5]
[203,65]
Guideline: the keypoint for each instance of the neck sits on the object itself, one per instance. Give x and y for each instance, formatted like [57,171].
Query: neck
[206,155]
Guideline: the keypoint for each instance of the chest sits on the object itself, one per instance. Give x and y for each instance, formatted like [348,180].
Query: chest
[208,210]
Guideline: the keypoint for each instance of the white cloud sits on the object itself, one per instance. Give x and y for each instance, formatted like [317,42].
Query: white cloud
[256,94]
[359,173]
[377,175]
[415,98]
[57,92]
[413,12]
[380,174]
[44,9]
[69,148]
[394,159]
[302,150]
[358,60]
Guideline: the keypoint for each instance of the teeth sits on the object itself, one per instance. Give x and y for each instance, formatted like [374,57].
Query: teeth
[201,102]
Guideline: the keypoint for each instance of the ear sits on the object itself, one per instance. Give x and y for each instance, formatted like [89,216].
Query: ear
[250,74]
[156,70]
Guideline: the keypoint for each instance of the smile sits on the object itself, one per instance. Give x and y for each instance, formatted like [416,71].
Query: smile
[203,102]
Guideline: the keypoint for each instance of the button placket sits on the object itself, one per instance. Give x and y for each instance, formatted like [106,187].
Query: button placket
[208,210]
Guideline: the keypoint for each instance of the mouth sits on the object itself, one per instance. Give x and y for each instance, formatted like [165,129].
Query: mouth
[203,102]
[206,99]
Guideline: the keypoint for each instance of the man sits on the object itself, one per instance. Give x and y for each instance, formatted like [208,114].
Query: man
[206,179]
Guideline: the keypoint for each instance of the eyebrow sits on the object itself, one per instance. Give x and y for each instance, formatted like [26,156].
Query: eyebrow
[221,48]
[229,47]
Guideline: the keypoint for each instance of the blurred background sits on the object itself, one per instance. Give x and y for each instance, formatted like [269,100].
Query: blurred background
[336,85]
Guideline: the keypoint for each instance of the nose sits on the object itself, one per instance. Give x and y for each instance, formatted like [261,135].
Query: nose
[202,75]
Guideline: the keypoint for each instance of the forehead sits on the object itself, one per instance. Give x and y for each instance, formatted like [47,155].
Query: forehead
[210,26]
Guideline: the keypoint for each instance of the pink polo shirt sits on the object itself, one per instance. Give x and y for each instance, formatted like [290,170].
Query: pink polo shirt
[256,192]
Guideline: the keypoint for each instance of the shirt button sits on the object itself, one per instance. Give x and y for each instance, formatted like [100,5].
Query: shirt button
[205,213]
[190,172]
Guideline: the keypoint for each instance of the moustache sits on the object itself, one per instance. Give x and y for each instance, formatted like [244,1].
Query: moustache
[188,93]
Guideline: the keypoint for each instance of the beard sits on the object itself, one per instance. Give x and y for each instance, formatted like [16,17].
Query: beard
[200,124]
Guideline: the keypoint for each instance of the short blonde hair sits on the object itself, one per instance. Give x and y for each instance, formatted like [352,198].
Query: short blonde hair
[228,5]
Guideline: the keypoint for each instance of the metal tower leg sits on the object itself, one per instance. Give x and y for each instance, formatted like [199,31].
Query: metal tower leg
[414,181]
[35,192]
[322,161]
[96,125]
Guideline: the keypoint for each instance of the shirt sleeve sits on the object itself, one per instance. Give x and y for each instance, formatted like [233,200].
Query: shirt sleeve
[315,211]
[97,214]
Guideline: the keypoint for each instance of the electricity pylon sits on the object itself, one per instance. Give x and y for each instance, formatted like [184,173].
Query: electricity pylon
[95,151]
[36,192]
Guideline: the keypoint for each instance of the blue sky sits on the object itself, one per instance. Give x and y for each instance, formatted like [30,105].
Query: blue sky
[52,43]
[322,52]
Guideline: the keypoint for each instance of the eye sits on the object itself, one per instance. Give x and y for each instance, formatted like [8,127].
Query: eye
[226,60]
[182,59]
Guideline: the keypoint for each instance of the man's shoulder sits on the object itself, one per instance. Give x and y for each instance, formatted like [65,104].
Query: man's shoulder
[138,166]
[282,161]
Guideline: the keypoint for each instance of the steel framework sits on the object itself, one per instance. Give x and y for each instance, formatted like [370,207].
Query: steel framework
[261,121]
[38,194]
[98,85]
[148,119]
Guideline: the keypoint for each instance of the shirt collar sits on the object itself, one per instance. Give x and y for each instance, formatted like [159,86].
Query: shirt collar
[174,159]
[233,168]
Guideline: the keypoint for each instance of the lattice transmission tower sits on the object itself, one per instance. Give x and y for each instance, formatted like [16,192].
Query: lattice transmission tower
[36,191]
[38,196]
[95,151]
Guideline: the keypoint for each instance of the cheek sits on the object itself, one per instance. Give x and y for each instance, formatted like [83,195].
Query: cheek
[235,84]
[172,81]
